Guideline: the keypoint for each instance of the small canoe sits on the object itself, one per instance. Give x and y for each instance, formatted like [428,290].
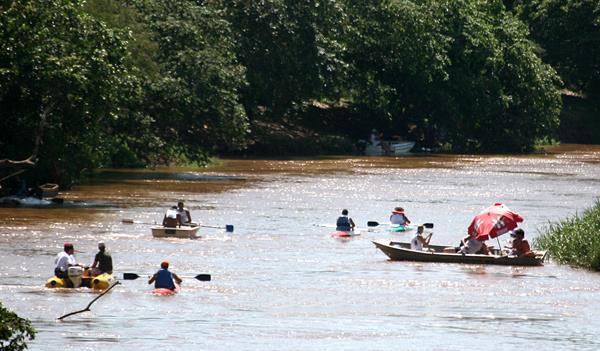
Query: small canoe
[397,228]
[345,233]
[398,251]
[181,232]
[166,292]
[100,282]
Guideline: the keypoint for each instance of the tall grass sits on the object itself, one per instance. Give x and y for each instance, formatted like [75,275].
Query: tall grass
[575,240]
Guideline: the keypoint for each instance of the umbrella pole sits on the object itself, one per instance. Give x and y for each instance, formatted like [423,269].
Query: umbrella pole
[499,247]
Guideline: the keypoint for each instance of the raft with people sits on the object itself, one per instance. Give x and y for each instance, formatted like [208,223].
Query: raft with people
[399,251]
[81,277]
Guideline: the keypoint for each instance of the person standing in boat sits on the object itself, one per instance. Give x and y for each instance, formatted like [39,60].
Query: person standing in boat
[398,217]
[184,214]
[102,261]
[164,279]
[418,242]
[344,223]
[172,219]
[64,260]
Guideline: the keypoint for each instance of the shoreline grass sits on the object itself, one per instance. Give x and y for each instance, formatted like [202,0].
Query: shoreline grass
[575,240]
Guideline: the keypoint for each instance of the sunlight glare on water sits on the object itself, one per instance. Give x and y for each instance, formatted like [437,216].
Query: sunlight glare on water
[280,282]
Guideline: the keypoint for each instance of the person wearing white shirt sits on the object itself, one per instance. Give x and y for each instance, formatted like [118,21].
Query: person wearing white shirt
[64,260]
[184,214]
[418,241]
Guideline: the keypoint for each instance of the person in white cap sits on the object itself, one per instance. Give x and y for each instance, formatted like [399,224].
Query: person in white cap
[102,261]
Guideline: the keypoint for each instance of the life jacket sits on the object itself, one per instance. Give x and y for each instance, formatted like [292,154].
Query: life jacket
[164,279]
[343,223]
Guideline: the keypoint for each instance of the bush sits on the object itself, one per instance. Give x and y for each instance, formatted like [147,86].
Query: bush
[14,330]
[574,241]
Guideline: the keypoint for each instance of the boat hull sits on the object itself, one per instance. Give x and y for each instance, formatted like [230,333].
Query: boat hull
[166,292]
[401,252]
[344,233]
[100,282]
[181,232]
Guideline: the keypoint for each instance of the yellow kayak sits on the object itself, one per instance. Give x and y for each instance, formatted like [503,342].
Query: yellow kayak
[99,282]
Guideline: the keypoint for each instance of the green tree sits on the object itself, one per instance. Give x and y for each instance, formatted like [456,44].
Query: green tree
[193,105]
[291,51]
[14,331]
[464,69]
[62,74]
[569,33]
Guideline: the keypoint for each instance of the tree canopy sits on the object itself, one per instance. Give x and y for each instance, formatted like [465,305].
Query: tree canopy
[14,331]
[144,82]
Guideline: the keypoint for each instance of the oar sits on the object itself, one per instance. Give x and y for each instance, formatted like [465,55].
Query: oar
[228,227]
[91,302]
[200,277]
[376,224]
[131,221]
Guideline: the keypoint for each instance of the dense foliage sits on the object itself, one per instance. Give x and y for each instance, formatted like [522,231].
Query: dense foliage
[14,331]
[143,82]
[62,68]
[574,241]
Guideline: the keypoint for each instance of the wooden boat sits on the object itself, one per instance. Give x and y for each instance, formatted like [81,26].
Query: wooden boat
[100,282]
[183,232]
[398,251]
[49,190]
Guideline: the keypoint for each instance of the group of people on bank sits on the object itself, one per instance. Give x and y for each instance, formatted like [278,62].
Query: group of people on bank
[176,216]
[517,245]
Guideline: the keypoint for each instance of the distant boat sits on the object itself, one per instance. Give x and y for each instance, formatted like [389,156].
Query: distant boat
[397,148]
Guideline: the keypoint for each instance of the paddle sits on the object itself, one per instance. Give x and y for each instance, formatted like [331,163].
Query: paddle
[376,224]
[200,277]
[228,227]
[91,302]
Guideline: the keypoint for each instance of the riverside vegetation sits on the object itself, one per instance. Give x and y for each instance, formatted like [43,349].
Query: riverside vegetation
[575,240]
[138,83]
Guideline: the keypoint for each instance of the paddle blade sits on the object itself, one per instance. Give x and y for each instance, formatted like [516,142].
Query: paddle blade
[372,224]
[428,225]
[130,276]
[203,277]
[229,228]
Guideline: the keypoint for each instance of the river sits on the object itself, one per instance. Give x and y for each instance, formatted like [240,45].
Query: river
[280,282]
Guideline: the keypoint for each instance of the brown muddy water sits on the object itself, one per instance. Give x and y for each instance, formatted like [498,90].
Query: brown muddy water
[280,282]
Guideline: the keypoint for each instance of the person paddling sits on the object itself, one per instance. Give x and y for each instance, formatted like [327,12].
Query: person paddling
[398,217]
[344,223]
[164,279]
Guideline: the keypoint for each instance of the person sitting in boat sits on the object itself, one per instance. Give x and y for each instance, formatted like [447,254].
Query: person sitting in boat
[164,279]
[344,223]
[520,245]
[470,245]
[398,217]
[184,214]
[172,218]
[418,242]
[64,260]
[102,261]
